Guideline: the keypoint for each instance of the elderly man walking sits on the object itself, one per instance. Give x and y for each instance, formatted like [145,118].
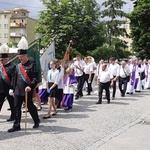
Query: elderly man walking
[123,76]
[105,79]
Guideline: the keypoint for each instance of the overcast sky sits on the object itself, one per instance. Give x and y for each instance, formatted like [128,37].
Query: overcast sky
[34,6]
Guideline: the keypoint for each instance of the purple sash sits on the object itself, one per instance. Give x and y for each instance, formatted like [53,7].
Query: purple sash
[133,73]
[72,79]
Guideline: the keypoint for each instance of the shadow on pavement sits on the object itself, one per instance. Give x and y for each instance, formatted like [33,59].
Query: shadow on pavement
[59,129]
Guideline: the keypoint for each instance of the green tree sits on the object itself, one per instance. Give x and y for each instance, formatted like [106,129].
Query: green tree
[76,20]
[113,10]
[140,28]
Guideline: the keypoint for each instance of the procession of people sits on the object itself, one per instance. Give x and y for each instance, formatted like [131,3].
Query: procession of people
[63,85]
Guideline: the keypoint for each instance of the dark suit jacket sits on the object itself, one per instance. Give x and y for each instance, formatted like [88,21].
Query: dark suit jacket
[10,70]
[20,84]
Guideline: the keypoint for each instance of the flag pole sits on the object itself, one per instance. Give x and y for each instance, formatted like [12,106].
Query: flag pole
[67,50]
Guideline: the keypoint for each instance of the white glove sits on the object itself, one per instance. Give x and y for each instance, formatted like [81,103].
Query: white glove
[11,92]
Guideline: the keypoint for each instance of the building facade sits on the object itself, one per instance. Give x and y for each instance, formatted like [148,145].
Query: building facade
[14,24]
[126,26]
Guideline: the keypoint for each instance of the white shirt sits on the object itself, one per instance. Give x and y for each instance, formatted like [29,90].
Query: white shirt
[94,66]
[105,76]
[53,76]
[123,72]
[113,68]
[60,78]
[69,89]
[43,85]
[88,68]
[79,64]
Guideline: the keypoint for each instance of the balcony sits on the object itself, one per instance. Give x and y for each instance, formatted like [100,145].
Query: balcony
[14,34]
[18,25]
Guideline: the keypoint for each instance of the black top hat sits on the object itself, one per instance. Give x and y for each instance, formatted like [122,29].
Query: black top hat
[22,51]
[3,55]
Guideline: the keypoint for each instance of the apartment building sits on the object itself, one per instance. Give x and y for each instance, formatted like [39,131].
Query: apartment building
[126,26]
[14,24]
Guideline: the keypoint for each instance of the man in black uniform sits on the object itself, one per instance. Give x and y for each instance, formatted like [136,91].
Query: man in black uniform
[25,81]
[7,70]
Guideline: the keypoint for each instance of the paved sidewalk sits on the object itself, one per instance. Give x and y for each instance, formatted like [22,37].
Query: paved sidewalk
[120,125]
[135,136]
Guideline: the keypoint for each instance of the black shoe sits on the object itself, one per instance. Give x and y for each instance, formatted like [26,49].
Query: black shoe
[46,117]
[108,102]
[98,102]
[13,129]
[122,95]
[55,113]
[11,119]
[88,94]
[77,97]
[25,111]
[8,109]
[131,93]
[69,109]
[36,125]
[127,93]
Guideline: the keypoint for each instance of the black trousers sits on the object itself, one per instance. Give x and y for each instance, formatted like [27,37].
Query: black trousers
[92,77]
[10,101]
[122,85]
[86,77]
[80,81]
[114,88]
[104,86]
[59,97]
[18,100]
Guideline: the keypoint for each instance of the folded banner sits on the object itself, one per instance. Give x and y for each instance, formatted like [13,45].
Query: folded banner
[47,56]
[34,55]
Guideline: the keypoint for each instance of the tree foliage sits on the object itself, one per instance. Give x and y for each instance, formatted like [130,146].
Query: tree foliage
[113,10]
[76,20]
[140,28]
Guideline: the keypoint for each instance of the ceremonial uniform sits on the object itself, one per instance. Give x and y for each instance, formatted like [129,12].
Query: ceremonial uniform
[19,92]
[138,83]
[25,82]
[69,90]
[147,79]
[134,74]
[6,78]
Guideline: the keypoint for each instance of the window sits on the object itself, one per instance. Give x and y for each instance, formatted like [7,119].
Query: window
[13,30]
[23,14]
[5,26]
[5,35]
[5,16]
